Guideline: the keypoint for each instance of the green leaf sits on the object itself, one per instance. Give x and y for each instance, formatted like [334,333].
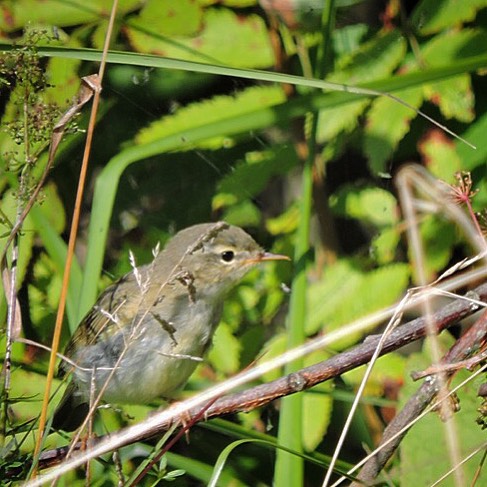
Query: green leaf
[389,368]
[319,399]
[238,3]
[225,353]
[224,37]
[454,97]
[16,14]
[334,300]
[471,62]
[340,119]
[317,411]
[384,245]
[243,214]
[431,16]
[65,72]
[440,156]
[373,60]
[475,134]
[251,176]
[273,348]
[371,205]
[479,203]
[199,470]
[387,123]
[286,222]
[215,109]
[49,221]
[347,39]
[171,19]
[453,46]
[223,458]
[438,238]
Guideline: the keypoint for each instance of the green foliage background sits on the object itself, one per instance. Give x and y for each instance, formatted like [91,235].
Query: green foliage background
[192,130]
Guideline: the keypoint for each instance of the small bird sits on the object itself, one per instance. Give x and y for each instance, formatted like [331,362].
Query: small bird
[147,332]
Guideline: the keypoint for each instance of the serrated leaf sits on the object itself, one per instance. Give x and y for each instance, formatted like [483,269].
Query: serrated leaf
[439,155]
[431,16]
[346,293]
[453,45]
[332,121]
[207,111]
[371,205]
[251,176]
[375,59]
[224,38]
[454,97]
[387,123]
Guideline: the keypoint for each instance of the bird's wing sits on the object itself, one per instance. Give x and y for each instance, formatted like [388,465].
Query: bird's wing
[118,304]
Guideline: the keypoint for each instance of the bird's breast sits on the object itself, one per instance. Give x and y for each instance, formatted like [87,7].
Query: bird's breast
[155,357]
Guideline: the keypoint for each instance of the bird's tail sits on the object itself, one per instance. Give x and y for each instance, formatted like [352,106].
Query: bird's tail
[71,411]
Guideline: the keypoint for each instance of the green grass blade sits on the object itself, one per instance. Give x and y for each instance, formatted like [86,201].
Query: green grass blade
[289,469]
[57,249]
[467,64]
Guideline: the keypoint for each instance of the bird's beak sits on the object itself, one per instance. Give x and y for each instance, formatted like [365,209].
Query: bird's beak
[265,256]
[269,256]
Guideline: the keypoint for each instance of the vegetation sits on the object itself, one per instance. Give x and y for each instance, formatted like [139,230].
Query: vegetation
[295,120]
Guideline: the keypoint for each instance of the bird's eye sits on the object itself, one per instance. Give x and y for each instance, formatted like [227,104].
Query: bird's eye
[228,255]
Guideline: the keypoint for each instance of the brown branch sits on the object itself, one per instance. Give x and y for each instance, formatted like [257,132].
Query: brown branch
[472,341]
[315,374]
